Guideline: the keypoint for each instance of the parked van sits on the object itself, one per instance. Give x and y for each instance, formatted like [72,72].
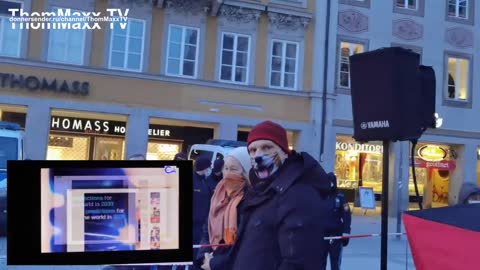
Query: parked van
[11,148]
[214,149]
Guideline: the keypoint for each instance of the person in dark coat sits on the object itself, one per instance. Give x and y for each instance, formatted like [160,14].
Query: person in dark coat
[222,224]
[339,224]
[282,217]
[216,176]
[202,194]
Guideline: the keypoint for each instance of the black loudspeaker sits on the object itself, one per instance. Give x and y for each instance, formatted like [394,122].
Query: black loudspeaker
[393,96]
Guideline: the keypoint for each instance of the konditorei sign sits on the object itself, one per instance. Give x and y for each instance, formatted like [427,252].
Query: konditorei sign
[364,148]
[34,83]
[95,126]
[432,153]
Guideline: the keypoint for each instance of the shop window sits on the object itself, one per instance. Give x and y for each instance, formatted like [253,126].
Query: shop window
[457,84]
[235,58]
[162,150]
[109,149]
[127,45]
[10,39]
[68,147]
[182,51]
[284,64]
[66,46]
[357,165]
[345,50]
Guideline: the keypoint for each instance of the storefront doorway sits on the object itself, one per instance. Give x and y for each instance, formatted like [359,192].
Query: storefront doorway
[434,164]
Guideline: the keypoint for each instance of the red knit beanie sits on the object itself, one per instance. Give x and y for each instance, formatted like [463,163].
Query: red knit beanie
[271,131]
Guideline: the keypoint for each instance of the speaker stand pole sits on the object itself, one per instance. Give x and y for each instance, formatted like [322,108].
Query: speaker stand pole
[384,233]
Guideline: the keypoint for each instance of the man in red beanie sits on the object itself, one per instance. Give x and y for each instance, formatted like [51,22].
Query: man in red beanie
[284,214]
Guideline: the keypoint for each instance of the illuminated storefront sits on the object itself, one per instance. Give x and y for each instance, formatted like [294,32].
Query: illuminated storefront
[434,164]
[360,165]
[96,139]
[357,165]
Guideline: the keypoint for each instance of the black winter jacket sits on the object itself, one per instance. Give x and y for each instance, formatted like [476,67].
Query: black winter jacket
[282,224]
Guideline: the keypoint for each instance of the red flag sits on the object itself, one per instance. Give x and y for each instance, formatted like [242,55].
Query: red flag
[445,238]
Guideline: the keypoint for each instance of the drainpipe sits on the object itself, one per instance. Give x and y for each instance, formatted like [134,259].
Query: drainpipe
[325,74]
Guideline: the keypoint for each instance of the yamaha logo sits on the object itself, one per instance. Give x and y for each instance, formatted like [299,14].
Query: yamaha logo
[375,124]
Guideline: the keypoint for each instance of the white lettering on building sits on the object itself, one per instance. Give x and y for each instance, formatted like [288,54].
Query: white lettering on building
[366,148]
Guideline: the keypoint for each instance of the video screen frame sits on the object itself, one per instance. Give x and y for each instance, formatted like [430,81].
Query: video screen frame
[24,215]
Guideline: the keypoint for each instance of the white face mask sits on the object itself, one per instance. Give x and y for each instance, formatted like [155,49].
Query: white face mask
[208,172]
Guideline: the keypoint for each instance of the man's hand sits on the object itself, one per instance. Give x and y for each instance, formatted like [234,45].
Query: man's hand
[206,261]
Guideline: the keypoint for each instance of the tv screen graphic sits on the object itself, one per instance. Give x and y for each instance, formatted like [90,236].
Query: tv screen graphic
[132,212]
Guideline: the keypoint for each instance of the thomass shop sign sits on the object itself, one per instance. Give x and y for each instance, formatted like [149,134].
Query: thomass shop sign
[44,85]
[106,127]
[432,153]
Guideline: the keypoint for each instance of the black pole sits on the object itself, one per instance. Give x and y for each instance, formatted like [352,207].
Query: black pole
[384,241]
[325,74]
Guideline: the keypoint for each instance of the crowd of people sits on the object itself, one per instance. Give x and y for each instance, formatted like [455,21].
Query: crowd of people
[266,207]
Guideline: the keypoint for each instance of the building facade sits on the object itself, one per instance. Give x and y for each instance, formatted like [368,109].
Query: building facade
[445,34]
[179,73]
[185,71]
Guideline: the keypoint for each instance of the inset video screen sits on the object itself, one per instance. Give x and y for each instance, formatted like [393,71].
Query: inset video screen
[99,212]
[109,209]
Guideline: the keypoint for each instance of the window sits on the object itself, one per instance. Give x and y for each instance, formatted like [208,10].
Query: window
[457,78]
[10,39]
[458,8]
[346,50]
[295,3]
[66,45]
[283,64]
[407,4]
[127,45]
[358,3]
[235,58]
[182,52]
